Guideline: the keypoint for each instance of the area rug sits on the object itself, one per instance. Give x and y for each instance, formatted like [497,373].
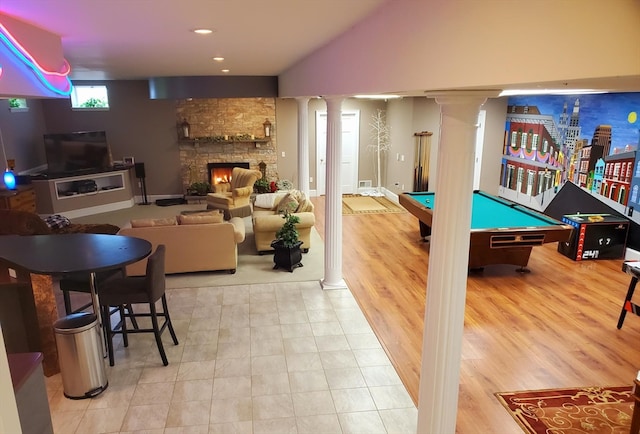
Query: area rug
[252,267]
[594,410]
[357,204]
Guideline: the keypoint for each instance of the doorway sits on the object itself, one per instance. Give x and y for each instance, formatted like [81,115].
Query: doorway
[350,151]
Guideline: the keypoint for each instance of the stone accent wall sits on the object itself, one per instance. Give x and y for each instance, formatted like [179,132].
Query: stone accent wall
[226,116]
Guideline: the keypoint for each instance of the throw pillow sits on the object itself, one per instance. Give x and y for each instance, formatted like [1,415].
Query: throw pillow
[145,223]
[266,200]
[305,205]
[288,203]
[200,218]
[297,195]
[57,221]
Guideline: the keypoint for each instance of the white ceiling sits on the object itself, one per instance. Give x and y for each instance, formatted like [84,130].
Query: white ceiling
[138,39]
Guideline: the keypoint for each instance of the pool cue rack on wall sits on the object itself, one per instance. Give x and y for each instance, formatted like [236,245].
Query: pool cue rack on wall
[421,162]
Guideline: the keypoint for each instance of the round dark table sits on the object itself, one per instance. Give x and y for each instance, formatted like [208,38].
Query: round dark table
[70,253]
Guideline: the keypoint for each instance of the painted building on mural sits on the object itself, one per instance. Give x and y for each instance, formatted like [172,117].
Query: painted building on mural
[574,162]
[587,163]
[583,139]
[634,196]
[598,176]
[533,159]
[617,176]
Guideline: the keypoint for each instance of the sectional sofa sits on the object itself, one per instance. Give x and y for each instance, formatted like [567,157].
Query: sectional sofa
[194,242]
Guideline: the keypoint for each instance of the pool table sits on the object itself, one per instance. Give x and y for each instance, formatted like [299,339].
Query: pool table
[502,232]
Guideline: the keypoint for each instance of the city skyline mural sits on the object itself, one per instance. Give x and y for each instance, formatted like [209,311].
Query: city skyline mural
[620,110]
[590,140]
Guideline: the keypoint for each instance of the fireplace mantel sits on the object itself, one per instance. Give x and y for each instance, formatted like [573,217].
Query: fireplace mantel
[209,141]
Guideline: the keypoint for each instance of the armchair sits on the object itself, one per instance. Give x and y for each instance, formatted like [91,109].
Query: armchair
[237,201]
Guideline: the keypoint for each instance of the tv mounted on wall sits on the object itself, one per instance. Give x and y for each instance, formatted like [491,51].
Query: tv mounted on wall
[77,153]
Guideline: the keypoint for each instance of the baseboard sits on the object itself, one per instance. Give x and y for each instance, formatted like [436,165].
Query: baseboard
[153,198]
[98,209]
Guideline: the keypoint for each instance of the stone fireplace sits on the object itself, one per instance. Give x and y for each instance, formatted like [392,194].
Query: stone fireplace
[220,173]
[226,117]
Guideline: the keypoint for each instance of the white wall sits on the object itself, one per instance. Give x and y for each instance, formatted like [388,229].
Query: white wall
[407,116]
[419,45]
[496,109]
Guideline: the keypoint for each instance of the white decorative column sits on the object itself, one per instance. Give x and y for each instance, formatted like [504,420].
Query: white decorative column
[303,145]
[448,260]
[333,199]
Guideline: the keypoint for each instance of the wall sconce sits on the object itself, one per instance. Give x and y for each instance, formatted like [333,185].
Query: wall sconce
[185,129]
[267,128]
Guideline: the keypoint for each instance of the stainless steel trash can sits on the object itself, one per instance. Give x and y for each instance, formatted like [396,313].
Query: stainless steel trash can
[80,354]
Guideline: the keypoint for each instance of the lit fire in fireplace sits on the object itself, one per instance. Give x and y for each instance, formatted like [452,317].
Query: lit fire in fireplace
[221,176]
[220,173]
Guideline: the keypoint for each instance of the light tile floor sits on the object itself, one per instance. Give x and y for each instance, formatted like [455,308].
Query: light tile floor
[274,358]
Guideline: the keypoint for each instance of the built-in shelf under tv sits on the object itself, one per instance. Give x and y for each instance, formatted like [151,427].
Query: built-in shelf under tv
[77,153]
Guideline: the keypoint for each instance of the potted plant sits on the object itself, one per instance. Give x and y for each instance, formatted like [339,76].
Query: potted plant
[199,189]
[261,186]
[286,246]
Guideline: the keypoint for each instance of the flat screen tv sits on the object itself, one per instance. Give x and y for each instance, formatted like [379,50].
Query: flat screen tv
[79,152]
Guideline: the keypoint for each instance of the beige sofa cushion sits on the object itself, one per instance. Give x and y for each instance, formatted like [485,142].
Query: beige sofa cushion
[267,200]
[146,223]
[201,218]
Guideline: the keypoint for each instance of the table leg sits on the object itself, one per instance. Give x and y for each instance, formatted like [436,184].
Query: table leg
[623,312]
[96,309]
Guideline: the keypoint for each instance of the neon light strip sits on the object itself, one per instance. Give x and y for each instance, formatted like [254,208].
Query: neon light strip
[56,81]
[66,66]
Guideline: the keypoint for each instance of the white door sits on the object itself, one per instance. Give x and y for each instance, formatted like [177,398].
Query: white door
[350,149]
[479,145]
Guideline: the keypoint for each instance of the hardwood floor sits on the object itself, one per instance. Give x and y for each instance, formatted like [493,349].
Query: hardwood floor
[552,327]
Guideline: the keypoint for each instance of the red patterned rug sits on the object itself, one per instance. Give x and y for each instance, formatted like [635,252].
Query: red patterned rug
[593,410]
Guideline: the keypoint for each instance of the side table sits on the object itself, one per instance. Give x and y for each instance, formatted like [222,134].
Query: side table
[23,198]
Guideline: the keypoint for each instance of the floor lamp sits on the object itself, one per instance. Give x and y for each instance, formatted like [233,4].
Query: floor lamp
[9,176]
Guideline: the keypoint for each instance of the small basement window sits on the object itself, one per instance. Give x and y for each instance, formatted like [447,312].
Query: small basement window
[89,97]
[18,105]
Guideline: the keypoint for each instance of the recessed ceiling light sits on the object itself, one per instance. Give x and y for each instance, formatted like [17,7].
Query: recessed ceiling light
[225,71]
[218,59]
[203,31]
